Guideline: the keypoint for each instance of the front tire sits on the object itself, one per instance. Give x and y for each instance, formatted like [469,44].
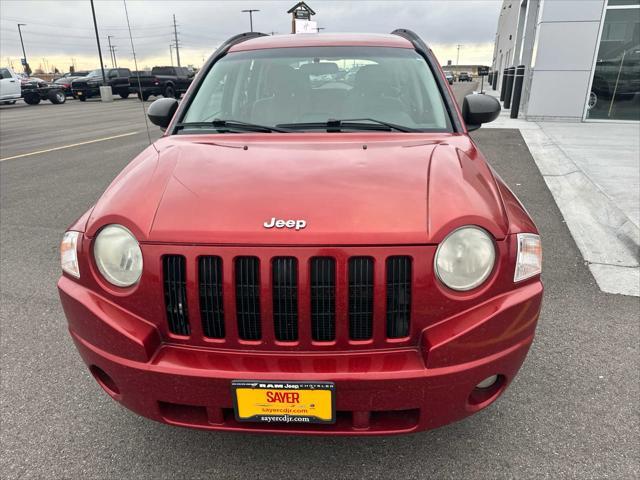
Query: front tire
[82,98]
[32,98]
[169,92]
[144,97]
[57,97]
[124,95]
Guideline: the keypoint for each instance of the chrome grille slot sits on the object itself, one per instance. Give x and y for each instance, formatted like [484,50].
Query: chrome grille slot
[210,289]
[360,298]
[323,299]
[285,298]
[247,273]
[398,296]
[175,293]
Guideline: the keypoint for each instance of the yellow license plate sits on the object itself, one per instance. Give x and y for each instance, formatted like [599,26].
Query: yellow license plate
[284,402]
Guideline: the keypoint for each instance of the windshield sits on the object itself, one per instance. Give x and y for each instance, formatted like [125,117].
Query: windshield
[289,86]
[95,73]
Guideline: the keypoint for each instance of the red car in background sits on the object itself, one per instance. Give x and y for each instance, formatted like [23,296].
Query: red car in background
[302,254]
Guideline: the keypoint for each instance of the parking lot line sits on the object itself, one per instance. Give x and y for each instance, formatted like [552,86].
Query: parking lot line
[37,152]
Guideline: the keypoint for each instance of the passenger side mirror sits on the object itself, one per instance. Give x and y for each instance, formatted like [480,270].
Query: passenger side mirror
[478,109]
[161,111]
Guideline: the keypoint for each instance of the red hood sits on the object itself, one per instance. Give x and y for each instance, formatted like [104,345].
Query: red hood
[400,189]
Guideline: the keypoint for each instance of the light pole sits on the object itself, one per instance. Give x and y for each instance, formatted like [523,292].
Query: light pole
[250,12]
[113,62]
[458,55]
[95,25]
[171,53]
[27,70]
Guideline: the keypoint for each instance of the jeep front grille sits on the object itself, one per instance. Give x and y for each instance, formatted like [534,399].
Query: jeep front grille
[301,300]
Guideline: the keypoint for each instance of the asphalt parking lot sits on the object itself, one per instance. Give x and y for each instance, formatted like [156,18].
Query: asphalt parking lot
[571,413]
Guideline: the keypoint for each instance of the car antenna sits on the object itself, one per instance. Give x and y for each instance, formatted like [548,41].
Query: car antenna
[135,62]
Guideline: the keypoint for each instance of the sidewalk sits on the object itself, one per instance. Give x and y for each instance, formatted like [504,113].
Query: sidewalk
[593,172]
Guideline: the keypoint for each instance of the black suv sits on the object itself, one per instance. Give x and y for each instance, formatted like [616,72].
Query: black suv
[117,78]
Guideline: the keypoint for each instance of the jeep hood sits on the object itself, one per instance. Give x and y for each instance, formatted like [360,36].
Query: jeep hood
[348,189]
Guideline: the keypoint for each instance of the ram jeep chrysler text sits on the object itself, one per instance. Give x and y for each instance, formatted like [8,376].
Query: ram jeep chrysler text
[314,246]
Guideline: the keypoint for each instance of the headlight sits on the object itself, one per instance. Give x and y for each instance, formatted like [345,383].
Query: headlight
[69,254]
[529,259]
[118,255]
[465,258]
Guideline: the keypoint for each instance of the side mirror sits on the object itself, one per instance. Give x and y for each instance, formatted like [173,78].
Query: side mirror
[161,111]
[478,109]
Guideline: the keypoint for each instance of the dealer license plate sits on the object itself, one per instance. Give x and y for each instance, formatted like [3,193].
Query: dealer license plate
[284,402]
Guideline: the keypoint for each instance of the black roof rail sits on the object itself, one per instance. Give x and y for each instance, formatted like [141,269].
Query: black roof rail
[411,36]
[239,38]
[422,48]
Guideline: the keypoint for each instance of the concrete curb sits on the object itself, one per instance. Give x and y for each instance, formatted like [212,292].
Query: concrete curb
[608,240]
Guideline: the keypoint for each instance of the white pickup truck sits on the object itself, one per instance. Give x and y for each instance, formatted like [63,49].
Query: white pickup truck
[10,90]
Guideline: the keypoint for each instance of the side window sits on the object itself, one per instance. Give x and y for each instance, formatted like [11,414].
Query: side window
[124,72]
[4,73]
[112,74]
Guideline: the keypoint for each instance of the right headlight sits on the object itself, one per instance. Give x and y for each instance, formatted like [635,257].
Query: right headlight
[118,256]
[465,259]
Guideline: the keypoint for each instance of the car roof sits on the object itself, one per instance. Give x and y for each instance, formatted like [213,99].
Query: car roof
[322,40]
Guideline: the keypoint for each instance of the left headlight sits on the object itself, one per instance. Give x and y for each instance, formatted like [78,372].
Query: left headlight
[465,259]
[118,255]
[69,254]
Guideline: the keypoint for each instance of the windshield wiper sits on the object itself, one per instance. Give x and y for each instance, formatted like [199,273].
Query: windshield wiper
[231,125]
[332,125]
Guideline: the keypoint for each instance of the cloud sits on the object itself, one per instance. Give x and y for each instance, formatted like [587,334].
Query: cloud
[59,31]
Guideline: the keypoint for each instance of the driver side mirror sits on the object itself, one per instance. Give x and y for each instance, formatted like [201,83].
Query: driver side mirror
[161,111]
[478,109]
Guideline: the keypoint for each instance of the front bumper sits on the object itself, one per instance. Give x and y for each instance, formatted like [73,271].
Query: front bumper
[377,391]
[86,92]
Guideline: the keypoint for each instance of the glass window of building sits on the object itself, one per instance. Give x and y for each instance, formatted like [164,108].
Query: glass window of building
[615,90]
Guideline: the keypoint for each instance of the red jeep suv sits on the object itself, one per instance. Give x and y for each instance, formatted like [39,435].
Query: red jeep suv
[314,246]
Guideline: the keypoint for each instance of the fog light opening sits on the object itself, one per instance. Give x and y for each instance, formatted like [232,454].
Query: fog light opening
[105,381]
[486,391]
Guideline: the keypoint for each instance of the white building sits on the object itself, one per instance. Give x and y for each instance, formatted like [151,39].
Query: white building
[582,57]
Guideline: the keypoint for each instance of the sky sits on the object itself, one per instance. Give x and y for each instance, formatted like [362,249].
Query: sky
[58,33]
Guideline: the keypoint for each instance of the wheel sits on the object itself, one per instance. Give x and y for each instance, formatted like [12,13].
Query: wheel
[82,98]
[144,97]
[593,100]
[124,95]
[169,91]
[32,98]
[57,97]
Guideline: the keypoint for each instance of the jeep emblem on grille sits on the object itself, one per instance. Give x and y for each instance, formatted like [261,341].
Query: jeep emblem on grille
[280,223]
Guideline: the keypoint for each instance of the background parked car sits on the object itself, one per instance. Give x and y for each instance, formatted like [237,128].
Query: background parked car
[9,86]
[34,90]
[149,84]
[173,80]
[464,77]
[449,76]
[66,80]
[117,78]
